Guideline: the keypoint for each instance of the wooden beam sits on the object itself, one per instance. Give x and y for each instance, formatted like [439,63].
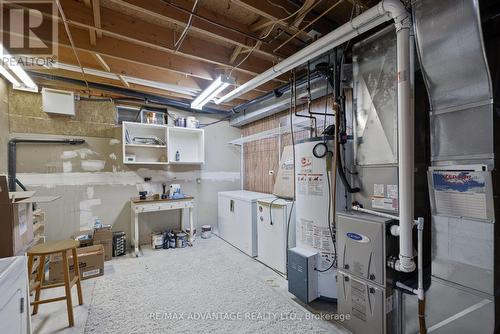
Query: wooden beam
[96,9]
[124,82]
[274,13]
[236,33]
[101,62]
[92,37]
[132,30]
[142,71]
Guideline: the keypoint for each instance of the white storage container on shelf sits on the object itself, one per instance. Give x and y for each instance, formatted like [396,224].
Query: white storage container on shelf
[237,218]
[275,219]
[186,146]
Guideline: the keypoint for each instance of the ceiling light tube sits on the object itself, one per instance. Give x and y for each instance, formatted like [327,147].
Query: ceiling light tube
[217,86]
[12,64]
[9,76]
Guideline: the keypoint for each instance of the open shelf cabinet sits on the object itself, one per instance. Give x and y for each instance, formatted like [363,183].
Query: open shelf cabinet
[161,145]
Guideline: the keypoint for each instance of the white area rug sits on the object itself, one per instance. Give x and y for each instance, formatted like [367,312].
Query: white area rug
[208,288]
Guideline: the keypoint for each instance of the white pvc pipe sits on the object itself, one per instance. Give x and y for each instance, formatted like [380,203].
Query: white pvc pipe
[420,240]
[405,149]
[375,213]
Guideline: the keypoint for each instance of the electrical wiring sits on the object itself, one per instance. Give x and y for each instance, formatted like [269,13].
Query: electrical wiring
[271,210]
[70,37]
[257,44]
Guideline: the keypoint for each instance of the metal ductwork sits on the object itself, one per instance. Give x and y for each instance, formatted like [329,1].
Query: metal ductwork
[462,182]
[452,56]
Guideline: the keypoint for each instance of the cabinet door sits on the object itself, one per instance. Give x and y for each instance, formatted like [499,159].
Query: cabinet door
[271,236]
[225,217]
[13,302]
[244,231]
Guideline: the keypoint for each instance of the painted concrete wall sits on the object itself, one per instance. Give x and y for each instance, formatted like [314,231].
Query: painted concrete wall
[4,125]
[92,179]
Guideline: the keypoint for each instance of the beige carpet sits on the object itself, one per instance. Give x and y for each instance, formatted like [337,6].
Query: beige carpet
[208,288]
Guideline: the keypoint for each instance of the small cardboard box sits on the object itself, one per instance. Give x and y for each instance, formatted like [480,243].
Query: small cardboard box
[104,236]
[90,262]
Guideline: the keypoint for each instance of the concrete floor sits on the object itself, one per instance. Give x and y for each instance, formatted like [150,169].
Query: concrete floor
[52,317]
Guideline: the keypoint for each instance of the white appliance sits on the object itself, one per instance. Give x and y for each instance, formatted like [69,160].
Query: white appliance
[237,217]
[56,101]
[311,211]
[273,218]
[14,300]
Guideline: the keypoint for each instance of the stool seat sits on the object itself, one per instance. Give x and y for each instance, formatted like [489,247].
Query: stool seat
[51,247]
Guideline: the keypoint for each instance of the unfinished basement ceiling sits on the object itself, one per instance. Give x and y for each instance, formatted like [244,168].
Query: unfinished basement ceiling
[139,45]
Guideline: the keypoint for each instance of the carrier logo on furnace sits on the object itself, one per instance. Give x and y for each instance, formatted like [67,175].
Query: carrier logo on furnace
[358,237]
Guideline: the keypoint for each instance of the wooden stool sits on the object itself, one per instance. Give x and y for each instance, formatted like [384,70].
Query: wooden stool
[49,248]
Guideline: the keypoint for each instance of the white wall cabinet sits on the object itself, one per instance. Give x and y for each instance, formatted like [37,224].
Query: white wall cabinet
[151,144]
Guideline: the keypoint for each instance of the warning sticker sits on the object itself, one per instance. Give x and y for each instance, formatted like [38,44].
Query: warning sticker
[378,190]
[384,203]
[310,184]
[319,238]
[392,191]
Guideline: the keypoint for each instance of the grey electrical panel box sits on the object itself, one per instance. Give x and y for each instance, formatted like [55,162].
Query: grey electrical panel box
[302,278]
[367,304]
[361,246]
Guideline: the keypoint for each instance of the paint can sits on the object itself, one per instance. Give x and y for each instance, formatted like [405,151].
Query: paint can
[181,239]
[206,231]
[166,239]
[191,235]
[157,240]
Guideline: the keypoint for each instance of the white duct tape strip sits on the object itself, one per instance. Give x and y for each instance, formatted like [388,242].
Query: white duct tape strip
[459,315]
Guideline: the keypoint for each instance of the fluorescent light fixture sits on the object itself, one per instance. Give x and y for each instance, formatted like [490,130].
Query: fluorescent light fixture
[9,76]
[12,64]
[217,86]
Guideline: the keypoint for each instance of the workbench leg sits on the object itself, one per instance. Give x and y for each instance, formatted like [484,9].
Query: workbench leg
[191,235]
[134,231]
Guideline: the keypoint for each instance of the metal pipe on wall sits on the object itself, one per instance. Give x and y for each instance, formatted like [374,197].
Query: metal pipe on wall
[13,154]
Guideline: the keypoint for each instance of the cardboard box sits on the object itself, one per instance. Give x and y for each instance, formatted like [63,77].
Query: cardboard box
[90,262]
[104,236]
[16,219]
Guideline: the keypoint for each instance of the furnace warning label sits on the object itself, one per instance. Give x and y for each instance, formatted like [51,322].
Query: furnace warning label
[319,238]
[384,203]
[309,184]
